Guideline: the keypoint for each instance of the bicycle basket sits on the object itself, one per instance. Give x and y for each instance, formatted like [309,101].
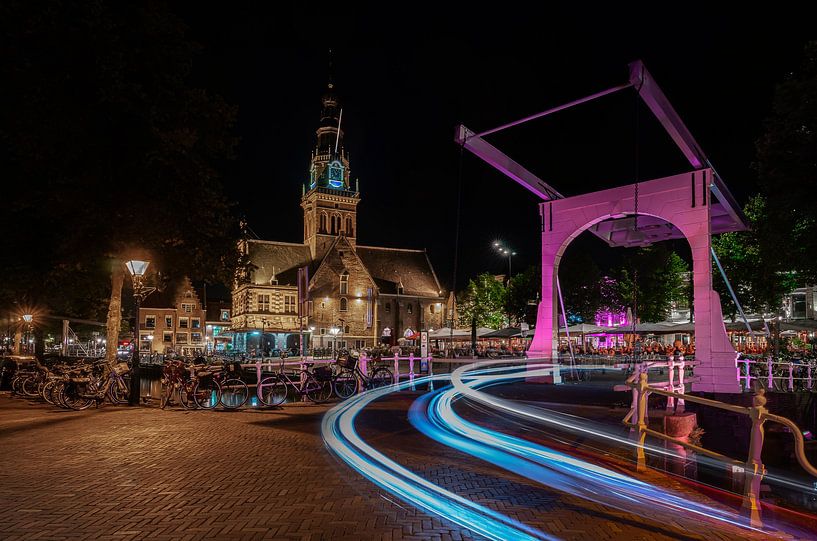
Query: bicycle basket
[121,368]
[347,361]
[322,373]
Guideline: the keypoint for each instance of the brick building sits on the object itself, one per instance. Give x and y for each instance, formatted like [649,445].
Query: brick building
[361,292]
[172,321]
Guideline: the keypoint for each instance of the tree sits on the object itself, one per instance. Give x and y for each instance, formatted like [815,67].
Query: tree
[580,280]
[652,280]
[523,288]
[111,154]
[787,169]
[483,301]
[753,264]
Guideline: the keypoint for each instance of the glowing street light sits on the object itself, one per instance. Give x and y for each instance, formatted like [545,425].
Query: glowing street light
[504,250]
[137,269]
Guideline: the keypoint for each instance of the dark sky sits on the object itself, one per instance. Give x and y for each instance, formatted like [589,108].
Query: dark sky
[405,81]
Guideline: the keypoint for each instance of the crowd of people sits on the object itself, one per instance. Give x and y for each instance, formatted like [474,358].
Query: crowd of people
[652,348]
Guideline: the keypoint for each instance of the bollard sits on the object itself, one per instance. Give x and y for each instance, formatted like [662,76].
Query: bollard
[754,465]
[258,379]
[431,374]
[643,388]
[671,386]
[411,370]
[396,369]
[363,370]
[302,378]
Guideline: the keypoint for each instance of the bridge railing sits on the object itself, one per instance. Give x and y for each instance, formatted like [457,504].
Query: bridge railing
[753,466]
[777,375]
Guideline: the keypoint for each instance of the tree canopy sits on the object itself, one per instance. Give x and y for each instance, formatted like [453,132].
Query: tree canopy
[109,152]
[483,301]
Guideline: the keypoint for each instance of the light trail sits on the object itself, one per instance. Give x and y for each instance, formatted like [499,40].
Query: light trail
[433,415]
[340,436]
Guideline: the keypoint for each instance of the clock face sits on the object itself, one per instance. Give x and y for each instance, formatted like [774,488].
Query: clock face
[335,174]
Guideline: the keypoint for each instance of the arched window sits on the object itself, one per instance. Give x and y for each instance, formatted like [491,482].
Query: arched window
[323,223]
[347,329]
[336,225]
[388,307]
[344,283]
[349,231]
[410,308]
[431,308]
[343,304]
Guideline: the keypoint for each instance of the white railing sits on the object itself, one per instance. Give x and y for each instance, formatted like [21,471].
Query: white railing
[776,375]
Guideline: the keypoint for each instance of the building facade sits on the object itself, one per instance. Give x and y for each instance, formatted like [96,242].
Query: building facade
[173,322]
[356,296]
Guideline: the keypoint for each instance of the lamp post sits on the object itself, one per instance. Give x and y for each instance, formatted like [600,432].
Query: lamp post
[28,318]
[508,252]
[334,330]
[261,343]
[137,271]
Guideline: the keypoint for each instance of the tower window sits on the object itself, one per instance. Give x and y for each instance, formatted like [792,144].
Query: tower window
[323,223]
[343,304]
[349,231]
[388,307]
[344,283]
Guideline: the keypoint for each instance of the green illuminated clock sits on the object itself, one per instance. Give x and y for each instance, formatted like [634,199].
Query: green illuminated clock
[336,174]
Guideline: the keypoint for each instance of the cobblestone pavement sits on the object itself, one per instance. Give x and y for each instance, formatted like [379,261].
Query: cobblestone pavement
[119,473]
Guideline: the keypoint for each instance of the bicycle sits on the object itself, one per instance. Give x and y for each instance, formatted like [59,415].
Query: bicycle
[346,381]
[273,390]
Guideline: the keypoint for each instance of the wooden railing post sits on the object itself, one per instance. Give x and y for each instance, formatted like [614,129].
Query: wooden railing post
[643,389]
[754,470]
[396,369]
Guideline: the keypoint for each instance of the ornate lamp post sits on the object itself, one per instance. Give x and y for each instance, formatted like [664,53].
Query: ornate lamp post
[28,318]
[137,271]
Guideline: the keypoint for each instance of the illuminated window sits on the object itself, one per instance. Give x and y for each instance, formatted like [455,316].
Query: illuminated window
[196,337]
[188,307]
[195,323]
[150,322]
[343,304]
[169,322]
[263,303]
[344,283]
[289,304]
[167,337]
[181,337]
[183,322]
[225,315]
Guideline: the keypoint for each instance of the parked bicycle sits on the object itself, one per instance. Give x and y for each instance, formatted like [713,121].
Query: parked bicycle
[315,385]
[349,377]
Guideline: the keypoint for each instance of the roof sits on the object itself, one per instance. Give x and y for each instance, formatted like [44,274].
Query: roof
[390,267]
[280,258]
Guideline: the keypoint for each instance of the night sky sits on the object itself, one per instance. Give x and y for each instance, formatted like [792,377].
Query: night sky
[406,81]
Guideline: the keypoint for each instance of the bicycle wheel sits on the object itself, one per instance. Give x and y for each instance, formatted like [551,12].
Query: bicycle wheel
[47,389]
[73,400]
[30,387]
[186,395]
[207,393]
[345,384]
[317,391]
[168,388]
[118,391]
[381,377]
[272,391]
[234,393]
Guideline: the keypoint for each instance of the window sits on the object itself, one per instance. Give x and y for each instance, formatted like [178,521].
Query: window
[323,304]
[196,337]
[410,308]
[388,307]
[188,307]
[349,231]
[323,223]
[431,308]
[169,322]
[196,322]
[144,344]
[347,330]
[181,337]
[167,337]
[225,315]
[360,344]
[263,303]
[150,322]
[289,304]
[343,304]
[183,322]
[344,283]
[323,330]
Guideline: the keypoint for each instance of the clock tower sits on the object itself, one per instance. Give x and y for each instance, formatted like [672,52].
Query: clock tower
[329,201]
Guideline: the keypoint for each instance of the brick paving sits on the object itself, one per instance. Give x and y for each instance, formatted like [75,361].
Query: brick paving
[122,474]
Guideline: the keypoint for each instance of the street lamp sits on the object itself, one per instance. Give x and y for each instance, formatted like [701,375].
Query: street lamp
[137,271]
[28,318]
[505,251]
[334,330]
